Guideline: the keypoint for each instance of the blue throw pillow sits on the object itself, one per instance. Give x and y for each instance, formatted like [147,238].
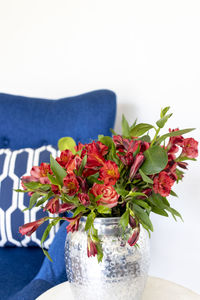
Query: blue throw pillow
[13,165]
[31,122]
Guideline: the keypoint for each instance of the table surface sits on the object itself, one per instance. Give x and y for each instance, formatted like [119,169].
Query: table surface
[156,289]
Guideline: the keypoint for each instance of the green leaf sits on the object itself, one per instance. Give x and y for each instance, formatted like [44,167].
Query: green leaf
[125,127]
[124,220]
[158,201]
[174,133]
[107,141]
[164,111]
[47,254]
[179,159]
[161,123]
[156,159]
[67,143]
[94,179]
[82,166]
[32,185]
[145,138]
[142,216]
[143,204]
[44,187]
[52,179]
[89,221]
[145,177]
[174,213]
[79,209]
[99,252]
[103,209]
[112,131]
[20,191]
[48,229]
[121,191]
[97,198]
[136,194]
[58,171]
[140,129]
[33,199]
[159,211]
[173,193]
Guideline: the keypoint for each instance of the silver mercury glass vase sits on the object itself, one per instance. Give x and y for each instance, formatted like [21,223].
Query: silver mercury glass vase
[122,274]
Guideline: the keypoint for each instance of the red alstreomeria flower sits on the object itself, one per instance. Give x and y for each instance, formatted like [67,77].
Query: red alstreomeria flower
[109,173]
[91,247]
[71,185]
[73,223]
[190,148]
[29,228]
[162,184]
[40,173]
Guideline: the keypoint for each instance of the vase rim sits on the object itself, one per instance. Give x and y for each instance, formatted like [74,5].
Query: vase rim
[103,221]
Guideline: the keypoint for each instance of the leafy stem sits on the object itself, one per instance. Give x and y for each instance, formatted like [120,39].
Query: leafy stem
[155,137]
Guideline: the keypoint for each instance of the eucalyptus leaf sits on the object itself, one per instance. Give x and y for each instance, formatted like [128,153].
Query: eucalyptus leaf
[67,143]
[156,159]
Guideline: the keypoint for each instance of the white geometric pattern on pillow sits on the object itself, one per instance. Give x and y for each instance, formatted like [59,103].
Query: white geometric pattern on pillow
[13,165]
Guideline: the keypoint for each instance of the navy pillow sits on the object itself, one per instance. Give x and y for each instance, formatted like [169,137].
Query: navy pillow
[31,122]
[13,165]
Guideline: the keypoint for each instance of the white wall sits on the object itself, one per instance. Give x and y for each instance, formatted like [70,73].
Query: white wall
[148,52]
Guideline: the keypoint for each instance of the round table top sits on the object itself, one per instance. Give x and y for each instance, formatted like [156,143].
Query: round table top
[156,289]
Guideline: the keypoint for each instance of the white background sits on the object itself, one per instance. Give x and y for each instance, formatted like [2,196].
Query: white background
[148,52]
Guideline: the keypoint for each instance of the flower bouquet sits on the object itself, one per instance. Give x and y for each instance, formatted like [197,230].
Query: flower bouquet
[127,176]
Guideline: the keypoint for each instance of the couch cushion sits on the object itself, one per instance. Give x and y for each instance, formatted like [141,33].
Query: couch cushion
[18,266]
[14,164]
[31,122]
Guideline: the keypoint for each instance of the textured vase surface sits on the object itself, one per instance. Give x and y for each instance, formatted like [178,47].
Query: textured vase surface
[122,274]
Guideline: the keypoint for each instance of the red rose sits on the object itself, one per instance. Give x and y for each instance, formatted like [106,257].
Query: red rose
[109,173]
[190,148]
[29,228]
[109,195]
[162,184]
[71,185]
